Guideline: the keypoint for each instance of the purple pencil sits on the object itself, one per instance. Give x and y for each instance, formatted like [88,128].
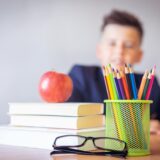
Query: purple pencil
[120,85]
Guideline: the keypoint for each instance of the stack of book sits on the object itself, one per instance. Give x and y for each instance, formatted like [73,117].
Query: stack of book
[36,125]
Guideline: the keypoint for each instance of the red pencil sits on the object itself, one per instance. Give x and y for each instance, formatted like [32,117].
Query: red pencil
[150,83]
[125,85]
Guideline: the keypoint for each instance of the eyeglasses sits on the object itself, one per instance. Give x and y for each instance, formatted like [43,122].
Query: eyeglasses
[103,146]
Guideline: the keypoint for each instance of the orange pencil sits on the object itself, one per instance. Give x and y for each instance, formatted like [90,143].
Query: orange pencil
[125,85]
[143,82]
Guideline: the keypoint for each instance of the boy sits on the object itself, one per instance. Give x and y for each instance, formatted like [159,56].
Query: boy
[121,38]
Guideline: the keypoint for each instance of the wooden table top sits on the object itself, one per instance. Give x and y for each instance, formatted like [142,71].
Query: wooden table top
[22,153]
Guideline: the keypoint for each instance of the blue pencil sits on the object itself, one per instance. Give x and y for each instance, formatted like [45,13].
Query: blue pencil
[133,83]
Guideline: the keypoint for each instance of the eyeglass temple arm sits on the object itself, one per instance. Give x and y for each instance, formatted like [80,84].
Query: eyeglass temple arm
[59,152]
[71,150]
[68,149]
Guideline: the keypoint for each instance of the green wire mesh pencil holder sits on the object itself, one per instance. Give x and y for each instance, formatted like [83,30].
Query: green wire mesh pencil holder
[129,120]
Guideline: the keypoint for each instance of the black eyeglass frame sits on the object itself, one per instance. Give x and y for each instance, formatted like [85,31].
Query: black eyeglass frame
[69,149]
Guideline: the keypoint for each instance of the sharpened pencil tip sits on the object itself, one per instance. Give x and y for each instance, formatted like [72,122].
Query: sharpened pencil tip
[109,65]
[129,65]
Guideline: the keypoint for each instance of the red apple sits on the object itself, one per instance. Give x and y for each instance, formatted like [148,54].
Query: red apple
[55,87]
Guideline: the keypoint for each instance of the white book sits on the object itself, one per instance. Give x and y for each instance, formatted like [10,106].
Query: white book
[43,138]
[58,121]
[64,109]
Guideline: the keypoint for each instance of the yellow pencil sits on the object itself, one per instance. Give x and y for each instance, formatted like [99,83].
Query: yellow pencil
[115,94]
[116,112]
[109,83]
[105,81]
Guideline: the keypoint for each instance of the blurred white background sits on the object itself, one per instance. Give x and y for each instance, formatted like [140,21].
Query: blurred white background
[39,35]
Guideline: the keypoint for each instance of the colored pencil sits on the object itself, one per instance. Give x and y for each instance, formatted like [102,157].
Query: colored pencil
[120,85]
[137,131]
[142,85]
[109,84]
[150,83]
[128,81]
[146,86]
[133,83]
[127,129]
[117,112]
[131,111]
[125,85]
[112,82]
[117,85]
[105,81]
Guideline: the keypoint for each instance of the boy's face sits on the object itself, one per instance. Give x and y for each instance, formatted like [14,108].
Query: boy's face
[119,45]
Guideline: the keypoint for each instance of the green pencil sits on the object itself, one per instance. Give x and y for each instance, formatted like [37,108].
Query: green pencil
[112,82]
[118,115]
[146,86]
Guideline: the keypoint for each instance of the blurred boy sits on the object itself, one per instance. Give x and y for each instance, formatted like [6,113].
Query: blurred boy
[120,43]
